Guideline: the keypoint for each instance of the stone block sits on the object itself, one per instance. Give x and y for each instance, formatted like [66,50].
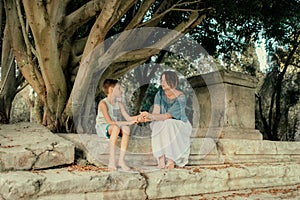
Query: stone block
[95,149]
[227,105]
[70,184]
[27,146]
[215,179]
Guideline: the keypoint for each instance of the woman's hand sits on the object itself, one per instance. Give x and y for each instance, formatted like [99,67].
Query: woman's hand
[139,118]
[145,116]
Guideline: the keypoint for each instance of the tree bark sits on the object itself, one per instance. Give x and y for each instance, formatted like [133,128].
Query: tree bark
[278,89]
[8,87]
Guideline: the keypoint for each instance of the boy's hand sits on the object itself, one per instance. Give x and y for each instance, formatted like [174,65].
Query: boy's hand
[140,118]
[145,116]
[132,122]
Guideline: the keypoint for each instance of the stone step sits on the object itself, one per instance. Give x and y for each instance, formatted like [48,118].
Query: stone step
[26,146]
[204,151]
[96,183]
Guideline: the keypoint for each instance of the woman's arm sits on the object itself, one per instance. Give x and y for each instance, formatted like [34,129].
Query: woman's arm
[155,115]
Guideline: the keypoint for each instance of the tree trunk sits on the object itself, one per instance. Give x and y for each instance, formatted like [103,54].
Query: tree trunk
[278,89]
[8,85]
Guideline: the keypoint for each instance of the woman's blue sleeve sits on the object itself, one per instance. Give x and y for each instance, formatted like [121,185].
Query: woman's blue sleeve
[157,98]
[177,110]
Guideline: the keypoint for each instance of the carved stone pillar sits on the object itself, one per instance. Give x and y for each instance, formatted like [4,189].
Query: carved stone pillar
[226,102]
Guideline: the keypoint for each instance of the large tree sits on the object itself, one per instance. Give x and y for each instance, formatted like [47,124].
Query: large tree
[63,47]
[52,40]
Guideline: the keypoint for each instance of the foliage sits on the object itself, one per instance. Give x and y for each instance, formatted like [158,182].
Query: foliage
[53,41]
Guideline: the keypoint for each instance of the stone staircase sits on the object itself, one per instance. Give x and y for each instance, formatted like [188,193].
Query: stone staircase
[36,164]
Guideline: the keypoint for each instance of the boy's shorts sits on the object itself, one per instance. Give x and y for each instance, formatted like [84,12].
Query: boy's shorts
[102,130]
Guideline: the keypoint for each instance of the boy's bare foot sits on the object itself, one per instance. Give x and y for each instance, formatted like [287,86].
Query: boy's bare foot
[112,168]
[124,166]
[161,162]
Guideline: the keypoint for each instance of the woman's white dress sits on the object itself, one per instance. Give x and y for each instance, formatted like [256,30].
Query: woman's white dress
[171,137]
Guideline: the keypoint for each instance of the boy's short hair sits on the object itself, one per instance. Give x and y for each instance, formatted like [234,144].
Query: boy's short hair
[171,78]
[108,83]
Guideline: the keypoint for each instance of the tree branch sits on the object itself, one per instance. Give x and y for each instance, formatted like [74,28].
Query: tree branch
[101,26]
[160,44]
[23,28]
[264,120]
[28,70]
[119,69]
[36,14]
[111,13]
[137,57]
[188,3]
[143,9]
[157,17]
[82,15]
[56,10]
[22,87]
[174,7]
[189,10]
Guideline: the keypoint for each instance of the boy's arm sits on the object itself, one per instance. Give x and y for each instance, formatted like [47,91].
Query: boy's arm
[104,110]
[125,114]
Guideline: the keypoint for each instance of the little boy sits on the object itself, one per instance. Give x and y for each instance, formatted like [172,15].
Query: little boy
[107,122]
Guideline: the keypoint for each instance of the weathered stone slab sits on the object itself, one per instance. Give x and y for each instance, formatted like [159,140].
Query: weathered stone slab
[246,151]
[152,184]
[291,192]
[95,149]
[26,146]
[204,151]
[220,179]
[66,184]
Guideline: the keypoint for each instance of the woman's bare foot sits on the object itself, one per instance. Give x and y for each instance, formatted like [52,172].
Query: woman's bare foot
[124,166]
[161,162]
[170,164]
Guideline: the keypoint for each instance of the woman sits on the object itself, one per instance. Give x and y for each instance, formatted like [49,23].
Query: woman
[170,126]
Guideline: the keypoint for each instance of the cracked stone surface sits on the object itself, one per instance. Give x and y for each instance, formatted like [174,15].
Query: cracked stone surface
[221,178]
[25,146]
[223,181]
[227,169]
[68,184]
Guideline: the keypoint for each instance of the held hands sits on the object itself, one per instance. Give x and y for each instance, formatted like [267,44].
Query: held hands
[144,117]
